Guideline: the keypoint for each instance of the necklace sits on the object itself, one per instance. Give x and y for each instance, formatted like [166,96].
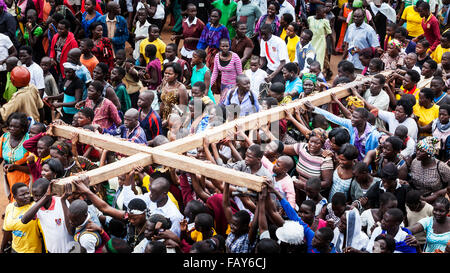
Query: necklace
[137,235]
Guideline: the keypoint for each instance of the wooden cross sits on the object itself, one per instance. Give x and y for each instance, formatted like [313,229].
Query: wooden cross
[170,154]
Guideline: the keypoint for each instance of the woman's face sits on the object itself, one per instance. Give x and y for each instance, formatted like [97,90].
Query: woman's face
[142,16]
[392,50]
[83,120]
[170,75]
[443,116]
[305,212]
[400,114]
[224,46]
[42,149]
[271,10]
[15,128]
[92,93]
[290,31]
[214,18]
[98,74]
[440,212]
[195,60]
[88,5]
[422,155]
[334,146]
[241,30]
[344,162]
[70,74]
[46,172]
[388,150]
[308,87]
[364,61]
[420,49]
[380,247]
[63,159]
[390,31]
[314,145]
[23,196]
[98,32]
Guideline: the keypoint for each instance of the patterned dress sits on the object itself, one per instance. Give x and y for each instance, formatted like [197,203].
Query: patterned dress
[169,97]
[103,51]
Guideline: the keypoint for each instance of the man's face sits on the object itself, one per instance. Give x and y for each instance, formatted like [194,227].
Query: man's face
[130,121]
[254,65]
[38,193]
[154,33]
[24,57]
[244,84]
[358,17]
[426,70]
[388,222]
[389,184]
[410,60]
[375,85]
[42,149]
[62,30]
[407,82]
[357,119]
[304,39]
[170,53]
[251,159]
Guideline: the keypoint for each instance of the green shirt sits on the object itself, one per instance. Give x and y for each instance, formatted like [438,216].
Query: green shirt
[228,11]
[124,98]
[248,14]
[10,89]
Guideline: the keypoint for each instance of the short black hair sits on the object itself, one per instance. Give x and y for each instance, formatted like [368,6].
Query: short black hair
[291,67]
[386,197]
[389,171]
[268,246]
[396,142]
[445,107]
[338,199]
[308,32]
[407,106]
[55,166]
[341,136]
[378,63]
[311,204]
[442,200]
[201,53]
[390,241]
[363,112]
[256,149]
[27,48]
[16,187]
[432,63]
[21,117]
[396,213]
[413,197]
[428,93]
[288,17]
[346,66]
[402,31]
[65,22]
[87,112]
[381,78]
[424,42]
[327,233]
[349,151]
[200,85]
[415,76]
[151,50]
[277,87]
[176,68]
[157,247]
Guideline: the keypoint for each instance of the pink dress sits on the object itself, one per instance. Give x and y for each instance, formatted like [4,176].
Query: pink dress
[106,114]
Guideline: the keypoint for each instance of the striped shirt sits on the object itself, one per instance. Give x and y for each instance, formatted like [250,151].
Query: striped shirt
[310,165]
[151,124]
[229,72]
[136,135]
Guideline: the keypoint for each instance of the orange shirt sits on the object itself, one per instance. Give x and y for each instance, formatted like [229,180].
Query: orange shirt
[90,63]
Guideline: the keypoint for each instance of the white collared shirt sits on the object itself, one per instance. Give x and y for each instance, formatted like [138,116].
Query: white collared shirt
[286,7]
[277,51]
[189,23]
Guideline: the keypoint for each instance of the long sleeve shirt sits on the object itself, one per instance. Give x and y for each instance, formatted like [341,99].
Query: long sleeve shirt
[31,146]
[136,135]
[229,72]
[431,31]
[309,233]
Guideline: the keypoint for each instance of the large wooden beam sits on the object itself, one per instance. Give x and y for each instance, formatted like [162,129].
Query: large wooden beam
[251,121]
[141,155]
[109,171]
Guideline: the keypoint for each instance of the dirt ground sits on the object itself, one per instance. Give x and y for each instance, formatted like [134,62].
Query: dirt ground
[165,36]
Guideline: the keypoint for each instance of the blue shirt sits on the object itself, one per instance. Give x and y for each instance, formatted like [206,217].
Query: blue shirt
[248,106]
[361,37]
[85,76]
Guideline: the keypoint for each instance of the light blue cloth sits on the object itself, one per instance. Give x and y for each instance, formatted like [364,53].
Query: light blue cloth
[296,85]
[361,37]
[371,139]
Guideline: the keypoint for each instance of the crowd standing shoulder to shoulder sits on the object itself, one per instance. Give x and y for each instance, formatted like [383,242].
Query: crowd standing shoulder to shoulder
[367,172]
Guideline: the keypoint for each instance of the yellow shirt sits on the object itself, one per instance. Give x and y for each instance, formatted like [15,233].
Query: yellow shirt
[415,93]
[438,52]
[283,34]
[291,45]
[25,238]
[160,48]
[413,21]
[426,116]
[146,184]
[341,3]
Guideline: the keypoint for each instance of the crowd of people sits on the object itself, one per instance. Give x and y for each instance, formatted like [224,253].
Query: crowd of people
[367,173]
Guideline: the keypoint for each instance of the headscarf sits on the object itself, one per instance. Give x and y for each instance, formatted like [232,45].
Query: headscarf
[3,5]
[395,43]
[309,76]
[354,100]
[320,133]
[355,237]
[430,145]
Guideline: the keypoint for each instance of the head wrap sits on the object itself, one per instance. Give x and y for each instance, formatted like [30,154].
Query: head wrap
[357,4]
[309,76]
[320,133]
[395,43]
[355,101]
[3,5]
[430,145]
[110,247]
[291,232]
[62,147]
[72,66]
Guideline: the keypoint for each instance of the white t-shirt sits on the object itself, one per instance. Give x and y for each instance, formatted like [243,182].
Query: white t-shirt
[286,7]
[410,148]
[256,79]
[275,52]
[5,45]
[381,101]
[400,236]
[36,75]
[56,236]
[389,117]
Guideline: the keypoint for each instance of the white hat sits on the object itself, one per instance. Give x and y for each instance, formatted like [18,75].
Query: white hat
[291,232]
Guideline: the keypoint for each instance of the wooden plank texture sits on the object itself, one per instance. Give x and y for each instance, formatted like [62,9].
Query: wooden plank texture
[251,121]
[109,171]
